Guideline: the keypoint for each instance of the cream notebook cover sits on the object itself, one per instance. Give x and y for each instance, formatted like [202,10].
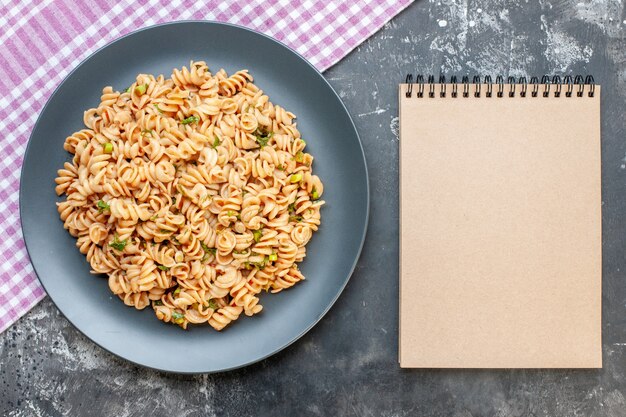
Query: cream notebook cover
[500,225]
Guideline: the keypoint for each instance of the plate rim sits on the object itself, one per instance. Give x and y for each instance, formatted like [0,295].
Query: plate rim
[367,197]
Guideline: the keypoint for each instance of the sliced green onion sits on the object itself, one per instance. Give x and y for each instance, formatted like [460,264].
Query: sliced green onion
[295,178]
[108,147]
[127,89]
[157,303]
[258,234]
[156,106]
[273,257]
[213,304]
[177,291]
[141,89]
[299,157]
[314,194]
[163,268]
[190,119]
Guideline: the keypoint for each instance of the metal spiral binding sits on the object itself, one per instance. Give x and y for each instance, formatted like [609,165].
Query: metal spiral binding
[409,81]
[500,82]
[554,86]
[442,82]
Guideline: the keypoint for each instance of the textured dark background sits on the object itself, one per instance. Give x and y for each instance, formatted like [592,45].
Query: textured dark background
[347,365]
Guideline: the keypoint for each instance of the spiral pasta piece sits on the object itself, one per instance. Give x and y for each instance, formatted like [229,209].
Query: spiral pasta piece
[235,83]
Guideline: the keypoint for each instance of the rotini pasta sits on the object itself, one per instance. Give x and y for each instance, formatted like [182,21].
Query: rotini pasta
[193,194]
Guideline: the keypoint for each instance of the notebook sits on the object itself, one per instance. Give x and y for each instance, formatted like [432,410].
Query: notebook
[500,223]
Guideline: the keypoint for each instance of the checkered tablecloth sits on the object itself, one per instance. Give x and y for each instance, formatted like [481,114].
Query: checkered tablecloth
[42,41]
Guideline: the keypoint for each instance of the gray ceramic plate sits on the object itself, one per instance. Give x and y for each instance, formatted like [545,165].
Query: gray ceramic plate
[331,137]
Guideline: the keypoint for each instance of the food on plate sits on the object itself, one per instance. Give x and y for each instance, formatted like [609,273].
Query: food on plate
[193,193]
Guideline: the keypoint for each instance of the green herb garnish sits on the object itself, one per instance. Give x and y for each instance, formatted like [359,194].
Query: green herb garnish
[157,303]
[260,265]
[153,218]
[207,251]
[295,178]
[314,194]
[295,218]
[102,206]
[280,168]
[299,157]
[273,257]
[141,89]
[216,142]
[156,106]
[258,234]
[146,132]
[128,89]
[262,139]
[177,291]
[213,304]
[291,207]
[190,119]
[163,268]
[230,213]
[108,147]
[117,243]
[178,317]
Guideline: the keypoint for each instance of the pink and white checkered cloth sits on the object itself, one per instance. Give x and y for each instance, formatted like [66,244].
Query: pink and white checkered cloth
[41,42]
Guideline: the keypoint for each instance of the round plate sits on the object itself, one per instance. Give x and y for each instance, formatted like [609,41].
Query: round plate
[324,122]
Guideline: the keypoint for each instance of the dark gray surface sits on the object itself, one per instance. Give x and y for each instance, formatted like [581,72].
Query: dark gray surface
[347,365]
[137,336]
